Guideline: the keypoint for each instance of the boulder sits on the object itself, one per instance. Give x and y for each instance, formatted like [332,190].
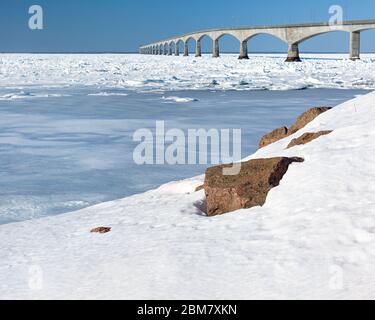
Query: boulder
[307,137]
[300,123]
[306,118]
[273,136]
[246,190]
[101,230]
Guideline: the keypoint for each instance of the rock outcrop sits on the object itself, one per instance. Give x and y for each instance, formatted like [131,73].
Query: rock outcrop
[273,136]
[307,137]
[300,123]
[248,189]
[306,118]
[101,230]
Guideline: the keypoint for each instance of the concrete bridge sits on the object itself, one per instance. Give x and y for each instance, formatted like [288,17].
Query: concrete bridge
[292,35]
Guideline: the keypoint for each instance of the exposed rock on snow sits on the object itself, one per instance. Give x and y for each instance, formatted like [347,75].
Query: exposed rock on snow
[273,136]
[101,230]
[308,137]
[306,118]
[248,189]
[300,123]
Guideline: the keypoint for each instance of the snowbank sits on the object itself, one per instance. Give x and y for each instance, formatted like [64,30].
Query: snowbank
[314,238]
[144,72]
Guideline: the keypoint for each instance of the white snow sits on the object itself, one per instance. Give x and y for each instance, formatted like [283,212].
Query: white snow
[145,72]
[314,238]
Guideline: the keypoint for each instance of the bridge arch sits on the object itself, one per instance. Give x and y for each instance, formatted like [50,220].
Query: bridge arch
[203,41]
[217,37]
[179,46]
[315,35]
[205,35]
[188,42]
[354,42]
[334,38]
[353,31]
[165,48]
[259,36]
[265,33]
[172,48]
[226,33]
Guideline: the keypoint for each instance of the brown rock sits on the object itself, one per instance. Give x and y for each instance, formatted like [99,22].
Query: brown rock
[273,136]
[306,118]
[101,230]
[307,137]
[246,190]
[300,123]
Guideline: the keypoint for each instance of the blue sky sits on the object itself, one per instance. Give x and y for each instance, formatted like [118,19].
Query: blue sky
[122,25]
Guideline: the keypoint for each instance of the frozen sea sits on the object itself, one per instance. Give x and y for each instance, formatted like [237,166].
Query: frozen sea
[66,148]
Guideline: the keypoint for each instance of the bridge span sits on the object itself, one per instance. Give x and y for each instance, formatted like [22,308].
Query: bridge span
[292,35]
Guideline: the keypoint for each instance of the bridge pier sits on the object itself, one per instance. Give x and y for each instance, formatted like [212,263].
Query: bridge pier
[186,49]
[170,50]
[243,51]
[355,45]
[198,48]
[216,49]
[177,49]
[293,53]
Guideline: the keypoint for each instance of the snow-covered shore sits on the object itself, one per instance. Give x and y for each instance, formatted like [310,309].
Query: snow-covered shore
[314,238]
[144,72]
